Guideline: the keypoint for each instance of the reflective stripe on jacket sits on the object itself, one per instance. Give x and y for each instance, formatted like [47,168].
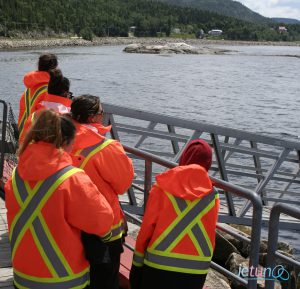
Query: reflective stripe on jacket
[36,83]
[30,100]
[48,206]
[30,218]
[108,166]
[178,229]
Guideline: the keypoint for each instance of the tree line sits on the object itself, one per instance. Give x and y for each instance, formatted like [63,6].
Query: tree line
[114,18]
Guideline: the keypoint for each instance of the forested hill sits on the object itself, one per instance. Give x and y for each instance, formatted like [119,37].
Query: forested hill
[115,17]
[224,7]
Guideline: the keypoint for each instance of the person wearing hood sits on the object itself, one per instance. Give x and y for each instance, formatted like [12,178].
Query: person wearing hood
[57,98]
[36,83]
[45,214]
[176,241]
[106,163]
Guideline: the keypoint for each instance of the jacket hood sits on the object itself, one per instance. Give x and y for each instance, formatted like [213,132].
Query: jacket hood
[35,78]
[188,182]
[86,135]
[40,160]
[58,103]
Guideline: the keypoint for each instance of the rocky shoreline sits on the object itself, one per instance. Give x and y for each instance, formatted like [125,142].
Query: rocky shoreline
[9,44]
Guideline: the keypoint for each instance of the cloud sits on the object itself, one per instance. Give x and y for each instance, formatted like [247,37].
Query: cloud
[275,8]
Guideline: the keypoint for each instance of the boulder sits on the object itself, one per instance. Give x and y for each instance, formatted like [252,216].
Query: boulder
[215,280]
[234,264]
[223,249]
[169,48]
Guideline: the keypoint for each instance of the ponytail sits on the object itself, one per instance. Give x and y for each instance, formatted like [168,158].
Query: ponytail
[52,128]
[58,84]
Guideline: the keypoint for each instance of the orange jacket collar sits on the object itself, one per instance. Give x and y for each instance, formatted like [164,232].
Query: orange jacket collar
[188,182]
[86,136]
[58,99]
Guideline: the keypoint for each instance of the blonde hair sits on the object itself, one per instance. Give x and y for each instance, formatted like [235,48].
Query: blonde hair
[50,127]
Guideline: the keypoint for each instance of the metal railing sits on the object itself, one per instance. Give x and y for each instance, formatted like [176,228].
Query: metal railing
[276,211]
[266,165]
[225,186]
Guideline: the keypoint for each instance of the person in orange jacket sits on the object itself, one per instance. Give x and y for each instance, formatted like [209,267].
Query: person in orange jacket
[58,98]
[45,212]
[106,163]
[36,83]
[176,241]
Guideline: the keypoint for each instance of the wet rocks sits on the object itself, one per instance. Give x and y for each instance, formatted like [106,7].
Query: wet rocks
[171,48]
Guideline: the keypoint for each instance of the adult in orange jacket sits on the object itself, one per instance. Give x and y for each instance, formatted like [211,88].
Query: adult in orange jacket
[57,98]
[45,214]
[175,244]
[36,83]
[106,163]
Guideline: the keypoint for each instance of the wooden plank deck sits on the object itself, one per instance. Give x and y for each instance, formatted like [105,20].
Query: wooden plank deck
[6,275]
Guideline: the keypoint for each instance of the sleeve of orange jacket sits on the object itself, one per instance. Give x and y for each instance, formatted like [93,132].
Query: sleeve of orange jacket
[148,225]
[87,209]
[116,167]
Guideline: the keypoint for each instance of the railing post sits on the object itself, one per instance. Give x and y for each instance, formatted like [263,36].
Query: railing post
[255,238]
[277,209]
[223,173]
[3,137]
[148,180]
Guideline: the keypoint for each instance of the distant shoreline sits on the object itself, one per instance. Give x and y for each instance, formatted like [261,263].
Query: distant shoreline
[12,44]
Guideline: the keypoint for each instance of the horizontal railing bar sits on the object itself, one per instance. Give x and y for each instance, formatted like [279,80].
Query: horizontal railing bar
[159,153]
[227,273]
[284,201]
[255,152]
[276,191]
[151,133]
[199,126]
[233,233]
[287,259]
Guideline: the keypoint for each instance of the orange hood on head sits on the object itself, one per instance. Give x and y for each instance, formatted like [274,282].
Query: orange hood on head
[40,160]
[188,182]
[35,78]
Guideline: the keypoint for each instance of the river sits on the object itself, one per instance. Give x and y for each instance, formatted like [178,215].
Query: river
[253,88]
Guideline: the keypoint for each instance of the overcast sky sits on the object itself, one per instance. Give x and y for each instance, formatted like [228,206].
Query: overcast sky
[275,8]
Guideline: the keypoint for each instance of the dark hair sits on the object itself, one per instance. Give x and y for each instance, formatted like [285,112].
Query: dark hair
[50,127]
[84,106]
[47,62]
[58,84]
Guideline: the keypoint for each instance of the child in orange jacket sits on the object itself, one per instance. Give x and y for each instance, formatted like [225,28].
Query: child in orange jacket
[177,238]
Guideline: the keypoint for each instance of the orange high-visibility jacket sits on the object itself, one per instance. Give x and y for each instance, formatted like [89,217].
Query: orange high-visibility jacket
[36,83]
[50,101]
[106,163]
[178,229]
[49,202]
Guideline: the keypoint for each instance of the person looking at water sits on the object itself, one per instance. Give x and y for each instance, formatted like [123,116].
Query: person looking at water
[176,241]
[108,166]
[58,98]
[45,214]
[36,87]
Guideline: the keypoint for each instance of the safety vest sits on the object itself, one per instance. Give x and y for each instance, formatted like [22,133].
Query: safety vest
[117,229]
[29,103]
[30,217]
[187,223]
